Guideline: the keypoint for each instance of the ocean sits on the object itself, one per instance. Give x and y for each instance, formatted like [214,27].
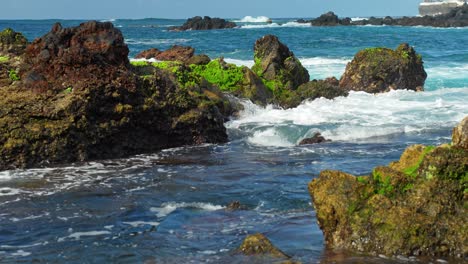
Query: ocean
[170,206]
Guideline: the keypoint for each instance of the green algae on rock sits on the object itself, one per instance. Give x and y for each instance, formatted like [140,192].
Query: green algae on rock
[12,42]
[260,245]
[376,70]
[78,99]
[416,206]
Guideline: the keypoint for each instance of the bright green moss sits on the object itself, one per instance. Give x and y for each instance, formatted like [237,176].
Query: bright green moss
[227,77]
[13,75]
[4,59]
[413,170]
[139,63]
[68,90]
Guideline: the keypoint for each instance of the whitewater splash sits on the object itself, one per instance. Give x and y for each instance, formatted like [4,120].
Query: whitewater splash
[251,19]
[358,117]
[276,25]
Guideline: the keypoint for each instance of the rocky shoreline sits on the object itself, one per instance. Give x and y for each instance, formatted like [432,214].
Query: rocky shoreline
[73,95]
[87,101]
[457,17]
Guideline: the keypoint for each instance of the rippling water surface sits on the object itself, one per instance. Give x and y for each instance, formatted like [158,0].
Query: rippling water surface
[171,206]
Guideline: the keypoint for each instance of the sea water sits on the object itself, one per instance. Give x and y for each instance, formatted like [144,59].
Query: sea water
[170,206]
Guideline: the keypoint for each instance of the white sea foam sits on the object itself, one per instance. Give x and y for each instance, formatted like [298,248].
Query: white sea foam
[448,71]
[141,223]
[247,63]
[156,42]
[251,19]
[168,208]
[318,67]
[78,235]
[358,18]
[276,25]
[360,116]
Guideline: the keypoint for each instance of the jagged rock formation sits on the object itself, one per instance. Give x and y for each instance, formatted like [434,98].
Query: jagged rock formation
[376,70]
[416,206]
[76,97]
[205,23]
[317,138]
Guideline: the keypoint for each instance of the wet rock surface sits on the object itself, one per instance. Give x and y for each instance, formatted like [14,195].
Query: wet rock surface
[204,23]
[260,245]
[376,70]
[76,98]
[416,206]
[317,138]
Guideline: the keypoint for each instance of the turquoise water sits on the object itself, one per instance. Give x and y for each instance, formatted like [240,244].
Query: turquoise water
[170,206]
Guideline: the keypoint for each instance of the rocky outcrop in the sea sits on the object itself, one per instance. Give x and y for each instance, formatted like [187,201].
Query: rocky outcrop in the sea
[317,138]
[327,19]
[457,17]
[328,88]
[76,97]
[416,206]
[183,54]
[12,42]
[376,70]
[277,65]
[204,23]
[260,245]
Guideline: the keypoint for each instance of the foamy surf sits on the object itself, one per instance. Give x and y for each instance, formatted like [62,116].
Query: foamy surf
[251,19]
[360,116]
[168,208]
[275,25]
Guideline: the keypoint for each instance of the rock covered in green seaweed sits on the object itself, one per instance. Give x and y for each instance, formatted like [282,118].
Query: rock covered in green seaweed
[59,113]
[277,65]
[376,70]
[260,245]
[460,134]
[12,42]
[416,206]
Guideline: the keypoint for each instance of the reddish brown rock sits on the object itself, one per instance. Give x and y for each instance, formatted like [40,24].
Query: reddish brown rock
[176,53]
[93,51]
[148,54]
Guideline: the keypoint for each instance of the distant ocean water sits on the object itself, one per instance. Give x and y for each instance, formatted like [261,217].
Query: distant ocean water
[170,206]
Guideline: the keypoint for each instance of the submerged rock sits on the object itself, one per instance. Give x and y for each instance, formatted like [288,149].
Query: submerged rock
[416,206]
[205,23]
[277,65]
[259,245]
[376,70]
[77,99]
[316,139]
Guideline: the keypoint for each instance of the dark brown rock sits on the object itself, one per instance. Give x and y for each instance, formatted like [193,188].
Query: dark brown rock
[276,64]
[198,60]
[376,70]
[205,23]
[316,139]
[79,100]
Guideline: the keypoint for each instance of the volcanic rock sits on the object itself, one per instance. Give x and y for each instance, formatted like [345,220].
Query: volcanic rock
[316,139]
[277,65]
[376,70]
[77,99]
[416,206]
[148,54]
[259,245]
[460,134]
[12,42]
[205,23]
